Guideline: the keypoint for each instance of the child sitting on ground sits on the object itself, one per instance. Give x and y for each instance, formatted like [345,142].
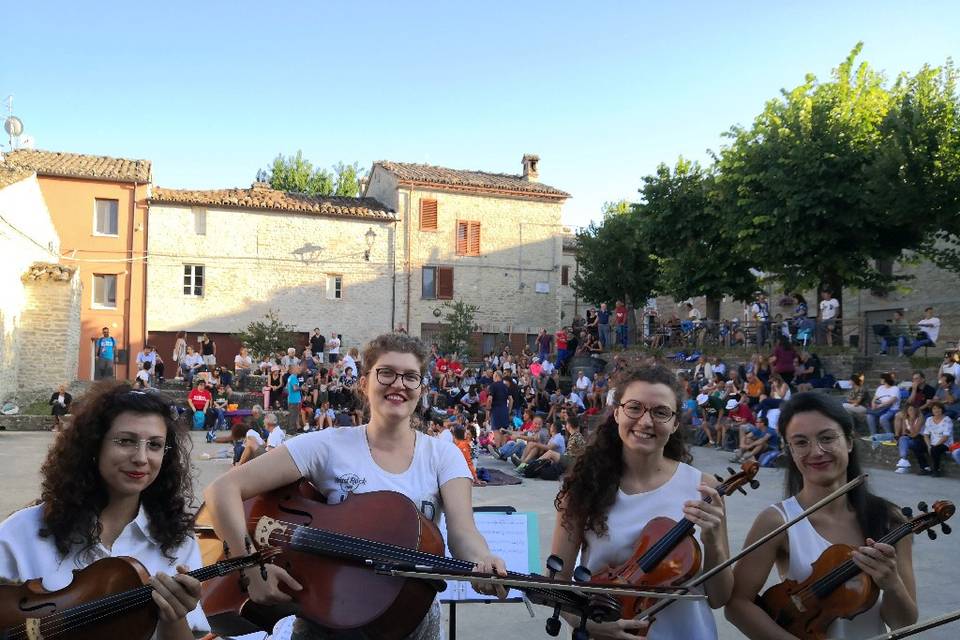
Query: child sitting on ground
[461,438]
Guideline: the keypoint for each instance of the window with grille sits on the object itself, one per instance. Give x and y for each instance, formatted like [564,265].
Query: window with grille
[106,217]
[468,238]
[334,287]
[105,290]
[193,280]
[428,215]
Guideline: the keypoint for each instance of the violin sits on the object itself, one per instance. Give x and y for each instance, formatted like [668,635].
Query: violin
[837,588]
[377,563]
[666,553]
[109,598]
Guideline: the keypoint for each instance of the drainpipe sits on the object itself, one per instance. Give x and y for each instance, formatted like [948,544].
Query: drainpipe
[406,249]
[393,288]
[146,236]
[128,285]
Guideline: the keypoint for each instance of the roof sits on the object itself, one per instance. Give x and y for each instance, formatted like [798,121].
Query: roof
[267,199]
[425,174]
[78,165]
[12,173]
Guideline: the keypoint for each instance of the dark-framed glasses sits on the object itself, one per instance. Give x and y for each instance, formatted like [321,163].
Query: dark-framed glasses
[154,446]
[636,410]
[410,380]
[826,442]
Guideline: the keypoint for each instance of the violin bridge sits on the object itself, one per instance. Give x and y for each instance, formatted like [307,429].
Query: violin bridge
[798,603]
[265,528]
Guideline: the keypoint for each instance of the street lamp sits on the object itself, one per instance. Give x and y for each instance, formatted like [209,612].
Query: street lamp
[370,236]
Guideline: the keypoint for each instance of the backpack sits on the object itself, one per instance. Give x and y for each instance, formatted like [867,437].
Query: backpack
[551,471]
[533,469]
[199,418]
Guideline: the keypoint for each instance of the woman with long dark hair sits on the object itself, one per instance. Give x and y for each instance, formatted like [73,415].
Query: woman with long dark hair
[635,468]
[819,438]
[116,483]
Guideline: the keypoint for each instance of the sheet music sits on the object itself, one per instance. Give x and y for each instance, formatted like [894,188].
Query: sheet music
[514,537]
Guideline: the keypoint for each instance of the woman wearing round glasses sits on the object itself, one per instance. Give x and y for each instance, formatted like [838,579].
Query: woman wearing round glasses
[819,438]
[633,470]
[116,483]
[385,454]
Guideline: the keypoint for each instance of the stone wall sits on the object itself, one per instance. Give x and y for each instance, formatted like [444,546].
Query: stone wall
[255,261]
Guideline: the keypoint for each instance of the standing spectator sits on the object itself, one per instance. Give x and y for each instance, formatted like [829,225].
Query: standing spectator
[929,332]
[760,310]
[829,312]
[543,344]
[620,319]
[60,405]
[179,352]
[886,402]
[106,354]
[274,387]
[333,347]
[242,367]
[317,343]
[938,432]
[799,311]
[190,363]
[603,325]
[561,337]
[784,359]
[294,397]
[592,325]
[208,350]
[500,403]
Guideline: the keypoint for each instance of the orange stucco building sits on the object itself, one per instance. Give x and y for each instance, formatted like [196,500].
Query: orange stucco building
[99,208]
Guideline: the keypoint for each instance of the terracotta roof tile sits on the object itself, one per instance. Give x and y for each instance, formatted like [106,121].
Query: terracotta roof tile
[11,173]
[430,175]
[268,199]
[78,165]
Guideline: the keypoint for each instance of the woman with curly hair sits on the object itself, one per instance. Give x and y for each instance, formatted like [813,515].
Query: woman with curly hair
[116,483]
[635,468]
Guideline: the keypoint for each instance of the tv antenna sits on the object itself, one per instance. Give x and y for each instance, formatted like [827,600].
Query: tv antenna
[12,125]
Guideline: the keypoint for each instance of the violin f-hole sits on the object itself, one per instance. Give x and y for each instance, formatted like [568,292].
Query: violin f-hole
[22,605]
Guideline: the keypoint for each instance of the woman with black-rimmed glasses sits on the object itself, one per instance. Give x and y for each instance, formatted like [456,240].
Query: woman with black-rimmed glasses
[634,469]
[116,483]
[387,453]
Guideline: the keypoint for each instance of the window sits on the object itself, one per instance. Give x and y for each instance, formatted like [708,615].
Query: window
[106,215]
[437,283]
[565,275]
[105,291]
[334,287]
[468,238]
[200,221]
[193,280]
[428,215]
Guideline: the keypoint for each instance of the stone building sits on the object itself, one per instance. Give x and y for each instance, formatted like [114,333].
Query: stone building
[220,259]
[489,239]
[98,207]
[40,305]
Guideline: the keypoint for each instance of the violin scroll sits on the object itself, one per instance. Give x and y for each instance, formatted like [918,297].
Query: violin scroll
[942,511]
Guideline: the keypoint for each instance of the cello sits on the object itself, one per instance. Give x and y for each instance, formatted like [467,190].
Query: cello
[666,553]
[109,598]
[837,587]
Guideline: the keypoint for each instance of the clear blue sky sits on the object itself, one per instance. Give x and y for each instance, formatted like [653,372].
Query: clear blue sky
[602,91]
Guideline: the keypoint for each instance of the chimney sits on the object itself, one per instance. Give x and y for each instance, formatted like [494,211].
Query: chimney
[530,171]
[260,185]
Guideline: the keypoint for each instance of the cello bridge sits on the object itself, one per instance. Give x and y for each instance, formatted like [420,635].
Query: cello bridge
[265,528]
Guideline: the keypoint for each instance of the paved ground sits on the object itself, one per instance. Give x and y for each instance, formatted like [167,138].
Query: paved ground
[935,562]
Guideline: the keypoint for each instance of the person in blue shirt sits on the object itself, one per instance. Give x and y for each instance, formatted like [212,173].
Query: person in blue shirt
[294,396]
[603,325]
[106,348]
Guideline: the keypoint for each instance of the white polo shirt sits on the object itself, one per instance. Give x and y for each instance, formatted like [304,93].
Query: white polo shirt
[24,555]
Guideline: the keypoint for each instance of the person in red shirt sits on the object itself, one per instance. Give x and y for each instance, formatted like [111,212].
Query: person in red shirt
[455,366]
[199,400]
[739,417]
[561,337]
[442,365]
[620,320]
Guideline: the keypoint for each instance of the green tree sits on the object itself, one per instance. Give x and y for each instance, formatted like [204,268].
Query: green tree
[459,323]
[683,223]
[296,174]
[613,259]
[268,336]
[793,184]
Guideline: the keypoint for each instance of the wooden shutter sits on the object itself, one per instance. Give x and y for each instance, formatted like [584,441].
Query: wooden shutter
[444,283]
[565,275]
[428,215]
[468,238]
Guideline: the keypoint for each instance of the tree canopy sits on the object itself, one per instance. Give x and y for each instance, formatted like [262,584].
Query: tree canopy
[297,174]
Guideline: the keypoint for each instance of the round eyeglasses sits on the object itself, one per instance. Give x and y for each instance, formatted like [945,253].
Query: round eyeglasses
[636,410]
[826,442]
[410,380]
[130,445]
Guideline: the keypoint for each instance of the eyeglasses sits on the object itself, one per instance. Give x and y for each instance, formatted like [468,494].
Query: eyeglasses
[826,442]
[130,445]
[636,410]
[410,380]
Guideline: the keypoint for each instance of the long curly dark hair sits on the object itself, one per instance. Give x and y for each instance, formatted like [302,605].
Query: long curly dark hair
[589,490]
[73,492]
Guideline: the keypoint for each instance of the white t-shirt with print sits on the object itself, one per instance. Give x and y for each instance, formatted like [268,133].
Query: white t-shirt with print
[333,345]
[338,462]
[885,393]
[828,309]
[275,438]
[24,555]
[937,431]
